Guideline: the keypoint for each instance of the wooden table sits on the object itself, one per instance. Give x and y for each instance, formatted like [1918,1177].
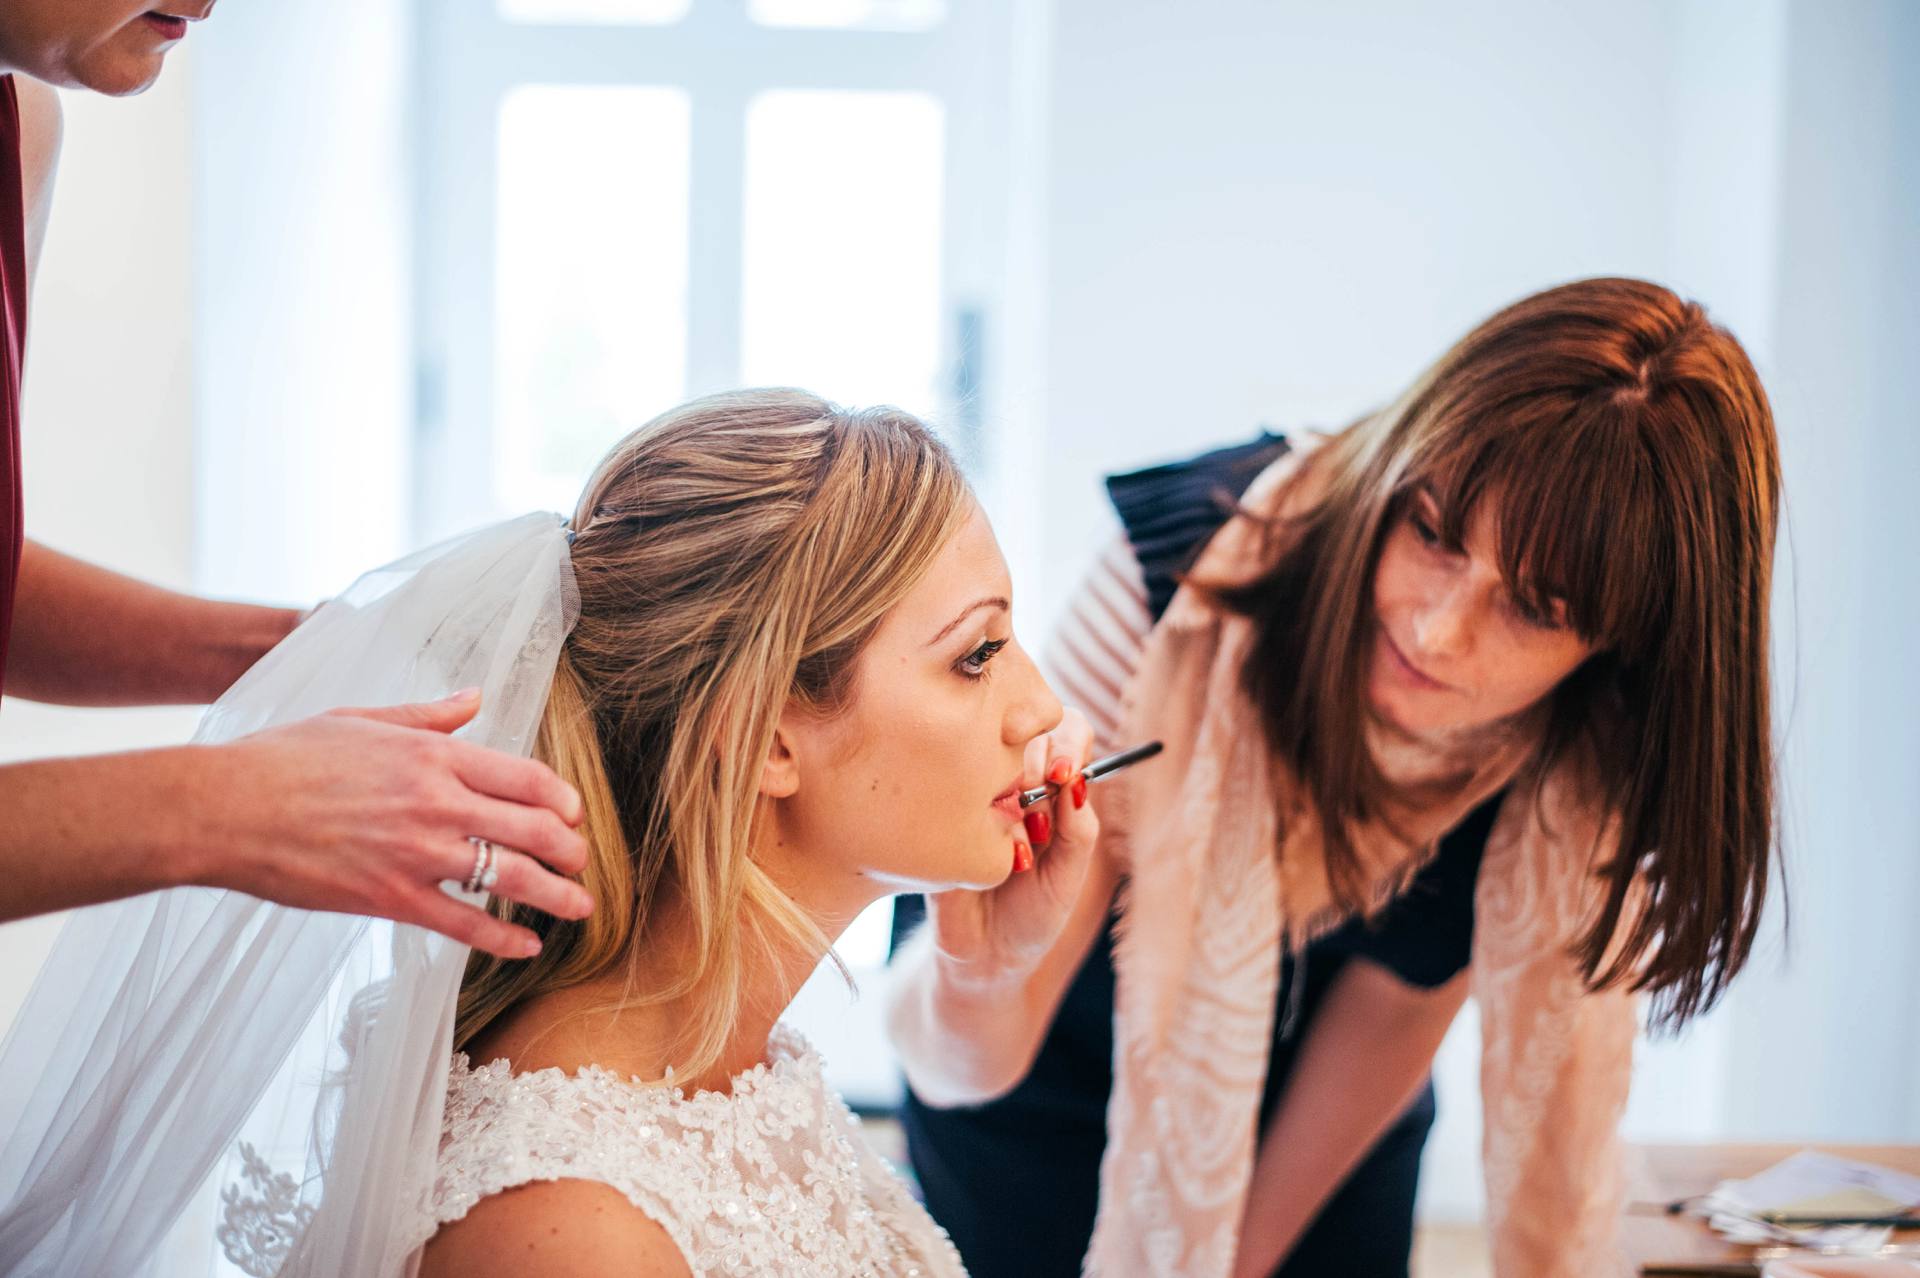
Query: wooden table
[1684,1244]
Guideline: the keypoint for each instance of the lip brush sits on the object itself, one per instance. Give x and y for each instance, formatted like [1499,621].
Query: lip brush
[1105,767]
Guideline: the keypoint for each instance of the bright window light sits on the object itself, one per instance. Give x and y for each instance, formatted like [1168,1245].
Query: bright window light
[842,246]
[590,315]
[649,13]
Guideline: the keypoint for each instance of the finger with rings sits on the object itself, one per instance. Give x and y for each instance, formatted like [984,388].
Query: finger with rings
[486,871]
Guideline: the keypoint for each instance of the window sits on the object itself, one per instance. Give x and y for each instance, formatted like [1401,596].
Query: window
[590,279]
[893,15]
[841,246]
[636,12]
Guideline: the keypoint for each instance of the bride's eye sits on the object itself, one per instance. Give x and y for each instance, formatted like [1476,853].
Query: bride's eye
[974,664]
[1423,528]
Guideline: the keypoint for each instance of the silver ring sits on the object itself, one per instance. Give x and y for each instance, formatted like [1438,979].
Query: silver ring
[485,872]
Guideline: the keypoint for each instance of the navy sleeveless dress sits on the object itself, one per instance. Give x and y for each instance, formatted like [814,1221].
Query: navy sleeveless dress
[1015,1182]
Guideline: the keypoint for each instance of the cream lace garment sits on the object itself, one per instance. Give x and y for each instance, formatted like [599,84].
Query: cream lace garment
[773,1178]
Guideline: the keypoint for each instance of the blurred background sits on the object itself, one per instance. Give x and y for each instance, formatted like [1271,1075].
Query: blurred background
[360,274]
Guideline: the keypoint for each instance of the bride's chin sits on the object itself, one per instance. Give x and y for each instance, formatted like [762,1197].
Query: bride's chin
[988,869]
[998,867]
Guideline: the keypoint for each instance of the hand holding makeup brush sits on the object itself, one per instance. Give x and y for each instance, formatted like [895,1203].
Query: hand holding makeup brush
[975,989]
[1004,930]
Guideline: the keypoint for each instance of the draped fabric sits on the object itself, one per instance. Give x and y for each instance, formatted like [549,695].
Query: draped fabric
[197,1064]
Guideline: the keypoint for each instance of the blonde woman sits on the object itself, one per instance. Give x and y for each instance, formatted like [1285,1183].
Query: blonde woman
[774,654]
[793,689]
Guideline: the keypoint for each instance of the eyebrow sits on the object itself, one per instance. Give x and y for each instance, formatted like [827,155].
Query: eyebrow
[991,601]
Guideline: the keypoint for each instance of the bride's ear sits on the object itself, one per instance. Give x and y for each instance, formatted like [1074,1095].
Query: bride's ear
[780,775]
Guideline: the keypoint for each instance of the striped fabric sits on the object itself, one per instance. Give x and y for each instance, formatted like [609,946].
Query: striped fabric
[1097,644]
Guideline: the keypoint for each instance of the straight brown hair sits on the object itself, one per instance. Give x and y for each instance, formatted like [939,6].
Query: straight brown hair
[1630,450]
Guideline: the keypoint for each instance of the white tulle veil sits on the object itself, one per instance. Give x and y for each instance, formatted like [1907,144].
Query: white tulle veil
[201,1082]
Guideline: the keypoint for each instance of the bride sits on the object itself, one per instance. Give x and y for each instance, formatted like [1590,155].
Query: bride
[774,655]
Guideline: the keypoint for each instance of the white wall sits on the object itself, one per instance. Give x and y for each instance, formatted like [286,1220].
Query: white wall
[303,301]
[107,417]
[1278,212]
[1824,1038]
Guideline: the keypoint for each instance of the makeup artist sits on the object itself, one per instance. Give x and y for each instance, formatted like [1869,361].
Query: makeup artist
[304,814]
[1470,697]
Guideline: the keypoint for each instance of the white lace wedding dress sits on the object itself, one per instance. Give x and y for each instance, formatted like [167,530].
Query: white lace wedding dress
[774,1178]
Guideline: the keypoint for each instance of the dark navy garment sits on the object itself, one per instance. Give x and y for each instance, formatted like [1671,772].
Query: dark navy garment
[1015,1182]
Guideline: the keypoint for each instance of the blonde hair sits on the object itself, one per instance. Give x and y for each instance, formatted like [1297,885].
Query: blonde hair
[733,556]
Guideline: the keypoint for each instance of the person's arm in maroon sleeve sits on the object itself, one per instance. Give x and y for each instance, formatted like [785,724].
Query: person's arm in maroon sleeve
[83,635]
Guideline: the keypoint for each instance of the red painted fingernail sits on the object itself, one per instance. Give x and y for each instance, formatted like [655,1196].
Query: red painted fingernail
[1059,772]
[1080,793]
[1039,829]
[1022,858]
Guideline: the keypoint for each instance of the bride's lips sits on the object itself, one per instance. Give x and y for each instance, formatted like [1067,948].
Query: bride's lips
[1007,802]
[168,26]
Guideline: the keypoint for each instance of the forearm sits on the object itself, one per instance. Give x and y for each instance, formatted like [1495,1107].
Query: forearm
[1367,1053]
[79,831]
[961,1040]
[83,635]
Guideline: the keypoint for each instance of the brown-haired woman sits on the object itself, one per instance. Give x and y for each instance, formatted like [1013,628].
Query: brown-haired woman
[1470,697]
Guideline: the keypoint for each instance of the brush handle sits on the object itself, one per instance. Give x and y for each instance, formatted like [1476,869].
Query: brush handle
[1103,767]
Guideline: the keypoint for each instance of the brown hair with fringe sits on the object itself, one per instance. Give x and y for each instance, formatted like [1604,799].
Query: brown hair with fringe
[1630,452]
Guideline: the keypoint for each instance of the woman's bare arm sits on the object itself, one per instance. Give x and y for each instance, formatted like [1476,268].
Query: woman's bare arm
[355,811]
[1367,1051]
[968,1028]
[85,636]
[554,1229]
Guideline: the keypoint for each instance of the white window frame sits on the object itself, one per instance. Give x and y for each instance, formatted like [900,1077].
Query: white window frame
[470,58]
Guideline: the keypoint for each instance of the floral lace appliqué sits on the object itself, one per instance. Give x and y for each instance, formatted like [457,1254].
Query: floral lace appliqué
[771,1178]
[261,1216]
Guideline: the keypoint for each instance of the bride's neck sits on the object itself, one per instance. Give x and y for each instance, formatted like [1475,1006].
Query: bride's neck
[596,1022]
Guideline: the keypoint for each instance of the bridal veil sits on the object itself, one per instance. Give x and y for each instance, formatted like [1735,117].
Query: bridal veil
[201,1082]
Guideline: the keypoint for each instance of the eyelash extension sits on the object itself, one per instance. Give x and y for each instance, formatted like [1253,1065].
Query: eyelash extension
[974,664]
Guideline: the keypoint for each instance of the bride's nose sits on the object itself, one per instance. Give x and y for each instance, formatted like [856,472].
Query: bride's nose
[1033,709]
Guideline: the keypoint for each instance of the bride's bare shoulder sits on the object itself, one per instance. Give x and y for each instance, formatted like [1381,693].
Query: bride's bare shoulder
[554,1229]
[567,1029]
